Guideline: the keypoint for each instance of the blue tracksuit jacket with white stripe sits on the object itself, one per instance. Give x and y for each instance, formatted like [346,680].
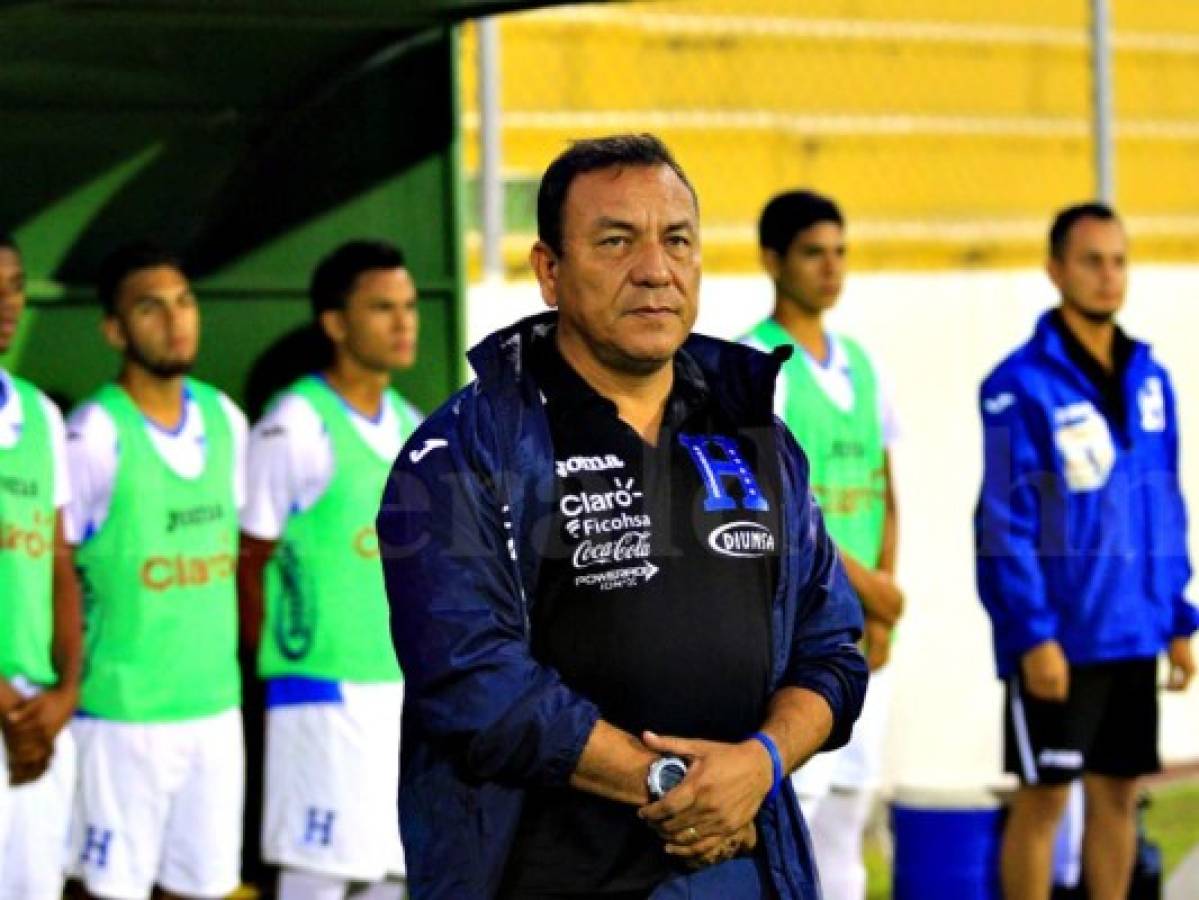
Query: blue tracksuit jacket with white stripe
[1080,528]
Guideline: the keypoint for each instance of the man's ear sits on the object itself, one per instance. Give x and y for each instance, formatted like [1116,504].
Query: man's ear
[113,332]
[1053,268]
[333,324]
[771,262]
[545,266]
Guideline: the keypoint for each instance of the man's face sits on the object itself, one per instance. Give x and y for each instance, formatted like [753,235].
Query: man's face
[1092,274]
[12,295]
[156,321]
[812,271]
[379,326]
[627,282]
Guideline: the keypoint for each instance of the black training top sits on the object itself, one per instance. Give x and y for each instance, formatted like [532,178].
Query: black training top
[1109,384]
[653,601]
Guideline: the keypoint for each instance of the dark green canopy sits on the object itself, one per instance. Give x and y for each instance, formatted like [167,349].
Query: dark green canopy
[251,137]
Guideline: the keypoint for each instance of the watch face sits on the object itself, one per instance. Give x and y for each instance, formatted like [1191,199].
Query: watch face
[664,774]
[672,772]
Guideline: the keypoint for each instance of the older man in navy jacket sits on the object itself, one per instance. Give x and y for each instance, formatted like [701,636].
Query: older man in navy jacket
[606,574]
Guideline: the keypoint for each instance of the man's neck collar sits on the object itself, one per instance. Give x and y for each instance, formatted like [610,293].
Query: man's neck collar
[1097,339]
[805,328]
[360,389]
[160,400]
[625,389]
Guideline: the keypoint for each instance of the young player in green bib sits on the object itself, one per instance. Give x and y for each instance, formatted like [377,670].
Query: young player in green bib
[312,587]
[830,396]
[157,460]
[39,623]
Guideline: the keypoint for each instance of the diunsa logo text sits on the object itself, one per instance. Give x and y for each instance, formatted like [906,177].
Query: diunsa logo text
[742,539]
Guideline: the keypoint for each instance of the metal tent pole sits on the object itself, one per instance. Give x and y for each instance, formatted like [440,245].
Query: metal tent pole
[491,184]
[1101,80]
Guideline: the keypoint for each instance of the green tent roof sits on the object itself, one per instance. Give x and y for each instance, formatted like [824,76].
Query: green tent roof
[214,125]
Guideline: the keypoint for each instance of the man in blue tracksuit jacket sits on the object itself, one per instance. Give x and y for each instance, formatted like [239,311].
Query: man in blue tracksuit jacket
[1082,560]
[574,576]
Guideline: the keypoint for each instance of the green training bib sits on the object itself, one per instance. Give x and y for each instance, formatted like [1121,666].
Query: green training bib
[844,447]
[27,545]
[160,601]
[326,607]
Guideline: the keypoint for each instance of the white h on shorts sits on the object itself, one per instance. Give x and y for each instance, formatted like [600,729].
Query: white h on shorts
[159,803]
[332,781]
[34,824]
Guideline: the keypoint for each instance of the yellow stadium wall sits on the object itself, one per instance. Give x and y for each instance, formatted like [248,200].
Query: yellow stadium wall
[948,130]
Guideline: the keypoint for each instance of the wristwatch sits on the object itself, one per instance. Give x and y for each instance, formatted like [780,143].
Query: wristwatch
[664,773]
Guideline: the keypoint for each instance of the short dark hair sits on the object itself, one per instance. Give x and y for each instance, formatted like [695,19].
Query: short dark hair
[789,213]
[334,276]
[8,243]
[1059,231]
[592,155]
[126,260]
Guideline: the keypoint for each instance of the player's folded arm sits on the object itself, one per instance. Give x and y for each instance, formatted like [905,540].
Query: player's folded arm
[459,625]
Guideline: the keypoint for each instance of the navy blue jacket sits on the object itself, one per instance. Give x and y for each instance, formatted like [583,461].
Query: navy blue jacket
[1080,527]
[469,501]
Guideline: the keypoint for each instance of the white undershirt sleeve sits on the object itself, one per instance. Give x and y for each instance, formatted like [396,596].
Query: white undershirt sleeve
[886,409]
[58,449]
[239,428]
[91,455]
[289,464]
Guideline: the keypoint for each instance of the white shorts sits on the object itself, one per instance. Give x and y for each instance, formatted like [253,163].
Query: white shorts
[332,781]
[159,803]
[858,765]
[35,821]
